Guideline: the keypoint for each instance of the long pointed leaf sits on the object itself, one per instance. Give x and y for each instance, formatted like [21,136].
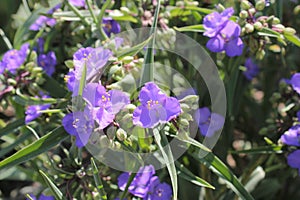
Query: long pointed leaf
[98,181]
[12,126]
[56,192]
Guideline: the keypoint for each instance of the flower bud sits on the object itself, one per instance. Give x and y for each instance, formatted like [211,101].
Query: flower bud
[258,26]
[249,28]
[260,55]
[289,31]
[11,81]
[297,10]
[243,14]
[260,5]
[245,5]
[80,173]
[184,122]
[121,134]
[252,11]
[179,4]
[125,10]
[220,7]
[127,59]
[279,27]
[276,20]
[130,107]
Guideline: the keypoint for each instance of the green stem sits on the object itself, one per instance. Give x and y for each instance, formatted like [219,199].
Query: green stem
[98,181]
[77,12]
[100,19]
[88,3]
[5,39]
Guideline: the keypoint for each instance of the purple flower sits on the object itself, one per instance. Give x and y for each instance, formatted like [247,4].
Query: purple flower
[104,105]
[295,82]
[141,183]
[13,59]
[251,69]
[80,125]
[42,197]
[159,191]
[47,62]
[293,160]
[33,111]
[78,3]
[111,26]
[298,115]
[70,79]
[223,32]
[156,107]
[292,136]
[93,59]
[43,20]
[209,122]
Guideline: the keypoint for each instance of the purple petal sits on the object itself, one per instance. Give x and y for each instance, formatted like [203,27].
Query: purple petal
[141,117]
[292,136]
[215,44]
[172,107]
[293,159]
[234,47]
[295,82]
[103,117]
[118,100]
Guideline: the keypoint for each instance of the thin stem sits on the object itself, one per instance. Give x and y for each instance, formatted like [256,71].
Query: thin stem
[88,3]
[100,18]
[77,12]
[5,39]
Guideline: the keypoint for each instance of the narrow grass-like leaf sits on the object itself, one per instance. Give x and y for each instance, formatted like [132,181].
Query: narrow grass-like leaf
[56,192]
[12,126]
[130,179]
[293,39]
[260,150]
[186,174]
[82,80]
[26,100]
[98,181]
[193,28]
[37,147]
[221,170]
[100,18]
[19,140]
[161,139]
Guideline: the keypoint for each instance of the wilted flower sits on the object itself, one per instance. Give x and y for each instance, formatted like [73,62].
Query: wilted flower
[251,69]
[223,32]
[156,107]
[42,197]
[80,125]
[47,62]
[104,105]
[111,26]
[293,160]
[209,122]
[43,20]
[13,59]
[33,111]
[292,136]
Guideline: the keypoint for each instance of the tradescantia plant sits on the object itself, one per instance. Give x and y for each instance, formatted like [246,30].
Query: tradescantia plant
[118,100]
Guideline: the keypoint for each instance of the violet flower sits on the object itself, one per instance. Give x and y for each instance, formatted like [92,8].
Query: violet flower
[13,59]
[140,185]
[158,190]
[293,160]
[292,136]
[42,197]
[110,26]
[47,62]
[156,107]
[80,125]
[43,20]
[104,105]
[78,3]
[33,111]
[298,115]
[251,69]
[295,82]
[209,122]
[223,32]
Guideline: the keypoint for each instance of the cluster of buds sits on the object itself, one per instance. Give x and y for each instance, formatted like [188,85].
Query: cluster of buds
[253,23]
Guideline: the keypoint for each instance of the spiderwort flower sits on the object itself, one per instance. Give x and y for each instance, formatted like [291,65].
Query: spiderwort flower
[156,107]
[42,197]
[47,62]
[293,160]
[295,82]
[292,136]
[33,111]
[251,69]
[80,125]
[13,59]
[110,26]
[209,122]
[158,190]
[78,3]
[141,183]
[224,33]
[298,115]
[104,105]
[43,20]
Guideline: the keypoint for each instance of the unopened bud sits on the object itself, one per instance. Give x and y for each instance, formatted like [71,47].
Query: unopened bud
[279,27]
[260,55]
[12,81]
[245,5]
[252,11]
[121,134]
[289,31]
[127,59]
[243,14]
[258,26]
[297,10]
[276,20]
[249,28]
[125,9]
[260,5]
[130,107]
[179,4]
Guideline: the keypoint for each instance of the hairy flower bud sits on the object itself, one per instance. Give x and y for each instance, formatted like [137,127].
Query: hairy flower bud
[245,5]
[249,28]
[258,26]
[260,5]
[289,31]
[121,134]
[243,14]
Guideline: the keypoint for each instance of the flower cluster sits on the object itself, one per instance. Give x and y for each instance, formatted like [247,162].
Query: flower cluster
[208,126]
[223,33]
[13,59]
[43,21]
[145,185]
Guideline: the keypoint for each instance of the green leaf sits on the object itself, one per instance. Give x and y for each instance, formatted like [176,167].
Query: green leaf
[186,174]
[162,142]
[37,147]
[56,192]
[148,65]
[261,150]
[221,170]
[26,100]
[54,88]
[200,10]
[193,28]
[19,140]
[82,80]
[12,126]
[98,181]
[133,50]
[293,39]
[127,18]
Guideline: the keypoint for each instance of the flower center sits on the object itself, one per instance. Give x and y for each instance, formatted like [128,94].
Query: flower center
[159,192]
[151,103]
